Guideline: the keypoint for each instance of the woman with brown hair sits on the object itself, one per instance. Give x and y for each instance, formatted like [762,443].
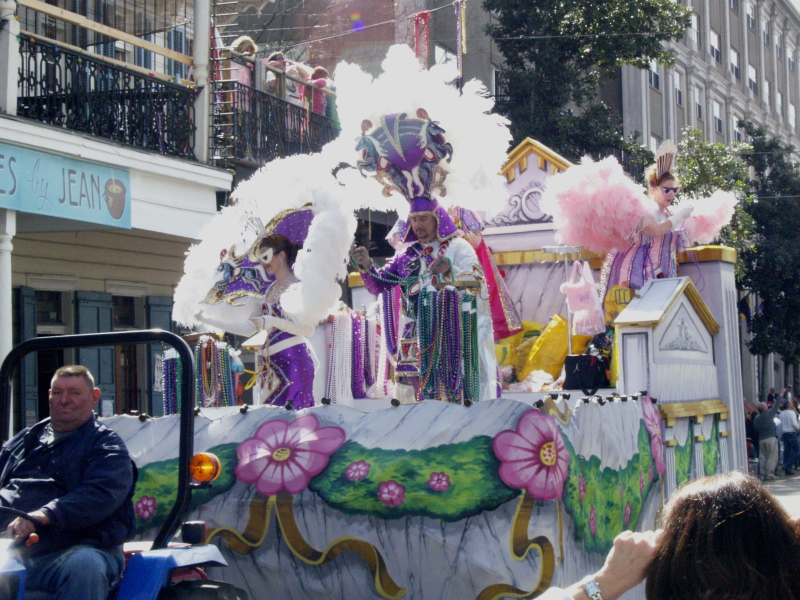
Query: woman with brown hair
[725,537]
[284,364]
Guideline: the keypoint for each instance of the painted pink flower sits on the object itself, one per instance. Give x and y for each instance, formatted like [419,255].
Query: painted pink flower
[285,455]
[356,471]
[650,473]
[439,482]
[592,521]
[641,483]
[652,420]
[145,507]
[628,511]
[534,457]
[581,487]
[391,493]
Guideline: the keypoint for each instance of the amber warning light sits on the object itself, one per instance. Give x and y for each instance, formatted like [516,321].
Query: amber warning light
[204,467]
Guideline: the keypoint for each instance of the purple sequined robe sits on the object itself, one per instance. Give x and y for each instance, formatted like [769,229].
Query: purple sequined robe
[285,375]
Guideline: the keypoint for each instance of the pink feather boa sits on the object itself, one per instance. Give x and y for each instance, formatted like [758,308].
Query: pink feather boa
[710,215]
[595,205]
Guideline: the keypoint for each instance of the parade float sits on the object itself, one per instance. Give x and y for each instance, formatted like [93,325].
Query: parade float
[362,497]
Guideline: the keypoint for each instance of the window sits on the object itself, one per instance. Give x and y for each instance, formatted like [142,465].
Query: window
[752,79]
[735,64]
[655,142]
[751,16]
[48,308]
[778,49]
[766,92]
[792,117]
[717,109]
[678,88]
[715,45]
[779,103]
[790,58]
[124,312]
[442,55]
[765,32]
[734,5]
[736,133]
[698,40]
[176,40]
[698,103]
[653,76]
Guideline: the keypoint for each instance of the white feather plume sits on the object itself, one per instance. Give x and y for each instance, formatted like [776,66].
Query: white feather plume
[480,138]
[282,184]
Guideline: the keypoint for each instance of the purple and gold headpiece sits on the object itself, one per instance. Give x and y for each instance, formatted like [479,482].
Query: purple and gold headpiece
[403,154]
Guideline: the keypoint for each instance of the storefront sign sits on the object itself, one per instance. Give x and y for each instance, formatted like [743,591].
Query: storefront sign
[48,184]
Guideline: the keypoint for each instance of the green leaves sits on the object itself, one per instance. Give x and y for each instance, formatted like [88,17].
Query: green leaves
[772,259]
[556,54]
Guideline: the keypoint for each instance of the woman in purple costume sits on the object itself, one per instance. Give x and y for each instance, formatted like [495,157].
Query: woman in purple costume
[283,360]
[284,364]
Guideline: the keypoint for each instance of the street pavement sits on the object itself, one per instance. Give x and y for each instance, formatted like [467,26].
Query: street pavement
[787,490]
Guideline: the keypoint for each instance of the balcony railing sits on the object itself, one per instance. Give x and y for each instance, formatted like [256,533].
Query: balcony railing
[255,127]
[70,89]
[260,113]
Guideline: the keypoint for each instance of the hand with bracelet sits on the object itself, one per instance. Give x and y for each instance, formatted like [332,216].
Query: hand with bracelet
[625,567]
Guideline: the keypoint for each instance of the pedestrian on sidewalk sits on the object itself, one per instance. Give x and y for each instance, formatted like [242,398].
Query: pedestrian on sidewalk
[789,428]
[767,440]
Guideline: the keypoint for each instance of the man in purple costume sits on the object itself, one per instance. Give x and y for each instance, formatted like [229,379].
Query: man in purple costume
[435,256]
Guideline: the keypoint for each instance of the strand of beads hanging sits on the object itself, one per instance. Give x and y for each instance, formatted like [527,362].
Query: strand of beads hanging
[339,366]
[427,344]
[357,356]
[449,334]
[227,391]
[389,314]
[469,343]
[173,374]
[370,351]
[389,277]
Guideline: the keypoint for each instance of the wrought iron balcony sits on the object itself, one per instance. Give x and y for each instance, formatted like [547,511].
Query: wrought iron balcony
[73,90]
[255,127]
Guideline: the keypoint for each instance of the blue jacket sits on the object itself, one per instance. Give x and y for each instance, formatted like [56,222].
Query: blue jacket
[84,482]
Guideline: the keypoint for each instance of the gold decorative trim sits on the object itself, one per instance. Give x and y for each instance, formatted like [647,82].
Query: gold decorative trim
[521,544]
[724,433]
[708,254]
[525,257]
[258,525]
[699,438]
[671,443]
[519,156]
[695,299]
[673,411]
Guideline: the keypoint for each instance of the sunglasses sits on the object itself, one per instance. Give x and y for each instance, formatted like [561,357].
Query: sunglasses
[669,190]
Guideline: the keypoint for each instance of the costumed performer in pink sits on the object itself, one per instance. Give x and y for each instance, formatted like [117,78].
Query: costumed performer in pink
[404,153]
[597,206]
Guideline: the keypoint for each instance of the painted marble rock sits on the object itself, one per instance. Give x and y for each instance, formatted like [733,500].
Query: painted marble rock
[422,501]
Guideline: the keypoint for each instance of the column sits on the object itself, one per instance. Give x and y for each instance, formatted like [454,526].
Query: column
[8,227]
[201,56]
[9,57]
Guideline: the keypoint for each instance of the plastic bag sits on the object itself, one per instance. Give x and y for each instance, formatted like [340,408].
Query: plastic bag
[584,302]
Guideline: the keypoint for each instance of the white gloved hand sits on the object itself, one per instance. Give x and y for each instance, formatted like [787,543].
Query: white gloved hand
[679,216]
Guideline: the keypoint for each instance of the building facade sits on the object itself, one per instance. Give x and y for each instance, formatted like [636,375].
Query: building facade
[737,61]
